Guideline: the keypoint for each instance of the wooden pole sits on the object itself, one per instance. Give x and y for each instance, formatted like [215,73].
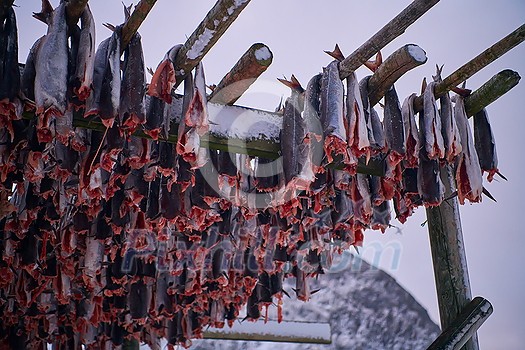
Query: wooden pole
[250,66]
[476,64]
[464,326]
[385,35]
[489,92]
[135,20]
[212,27]
[448,257]
[401,61]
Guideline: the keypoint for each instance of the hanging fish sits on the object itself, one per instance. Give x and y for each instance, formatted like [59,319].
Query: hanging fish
[357,131]
[28,76]
[132,102]
[82,79]
[376,134]
[485,144]
[163,79]
[295,148]
[194,124]
[361,198]
[9,70]
[430,126]
[411,132]
[394,128]
[469,179]
[311,115]
[105,99]
[51,72]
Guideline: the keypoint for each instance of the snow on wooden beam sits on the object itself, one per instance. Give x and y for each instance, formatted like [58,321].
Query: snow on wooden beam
[214,25]
[464,326]
[291,332]
[401,61]
[385,35]
[489,92]
[476,64]
[448,257]
[74,9]
[135,20]
[250,66]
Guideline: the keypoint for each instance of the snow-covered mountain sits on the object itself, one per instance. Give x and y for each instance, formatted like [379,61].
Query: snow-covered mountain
[366,308]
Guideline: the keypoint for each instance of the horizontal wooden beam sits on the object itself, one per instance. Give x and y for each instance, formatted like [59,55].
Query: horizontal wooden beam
[244,73]
[385,35]
[476,64]
[489,92]
[132,25]
[209,31]
[455,336]
[401,61]
[285,332]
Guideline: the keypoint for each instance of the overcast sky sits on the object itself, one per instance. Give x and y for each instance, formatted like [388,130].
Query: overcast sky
[452,32]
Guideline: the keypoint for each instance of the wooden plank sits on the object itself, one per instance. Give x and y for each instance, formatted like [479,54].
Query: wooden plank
[476,64]
[489,92]
[212,27]
[132,25]
[285,332]
[385,35]
[244,73]
[401,61]
[464,326]
[448,257]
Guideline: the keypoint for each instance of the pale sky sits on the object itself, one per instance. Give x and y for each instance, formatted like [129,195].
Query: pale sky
[451,33]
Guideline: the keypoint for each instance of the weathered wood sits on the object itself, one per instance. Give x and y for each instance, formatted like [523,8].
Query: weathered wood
[476,64]
[401,61]
[214,25]
[489,92]
[464,326]
[291,332]
[448,257]
[385,35]
[74,9]
[250,66]
[4,5]
[135,20]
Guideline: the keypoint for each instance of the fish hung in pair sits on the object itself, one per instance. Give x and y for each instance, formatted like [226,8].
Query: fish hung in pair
[356,125]
[194,124]
[82,78]
[295,148]
[485,144]
[27,83]
[411,132]
[469,179]
[394,128]
[376,133]
[431,141]
[163,79]
[105,99]
[51,65]
[311,116]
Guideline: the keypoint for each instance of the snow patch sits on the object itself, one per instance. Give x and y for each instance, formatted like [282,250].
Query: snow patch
[201,42]
[263,54]
[418,53]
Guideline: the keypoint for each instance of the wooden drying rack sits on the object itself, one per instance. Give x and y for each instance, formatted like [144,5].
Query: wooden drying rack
[460,316]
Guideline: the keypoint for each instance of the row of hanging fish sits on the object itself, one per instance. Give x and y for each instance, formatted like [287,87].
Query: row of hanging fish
[108,236]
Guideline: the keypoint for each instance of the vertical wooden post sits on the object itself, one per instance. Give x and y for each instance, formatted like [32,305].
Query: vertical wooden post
[448,257]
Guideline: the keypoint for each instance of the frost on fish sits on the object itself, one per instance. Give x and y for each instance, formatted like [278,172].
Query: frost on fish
[332,114]
[469,179]
[411,132]
[195,124]
[163,79]
[485,144]
[356,127]
[394,128]
[82,79]
[51,73]
[430,126]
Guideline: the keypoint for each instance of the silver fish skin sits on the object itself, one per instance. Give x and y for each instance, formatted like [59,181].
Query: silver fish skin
[29,74]
[449,129]
[432,142]
[411,132]
[311,115]
[332,113]
[357,130]
[469,179]
[132,102]
[85,60]
[10,71]
[52,66]
[394,127]
[485,144]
